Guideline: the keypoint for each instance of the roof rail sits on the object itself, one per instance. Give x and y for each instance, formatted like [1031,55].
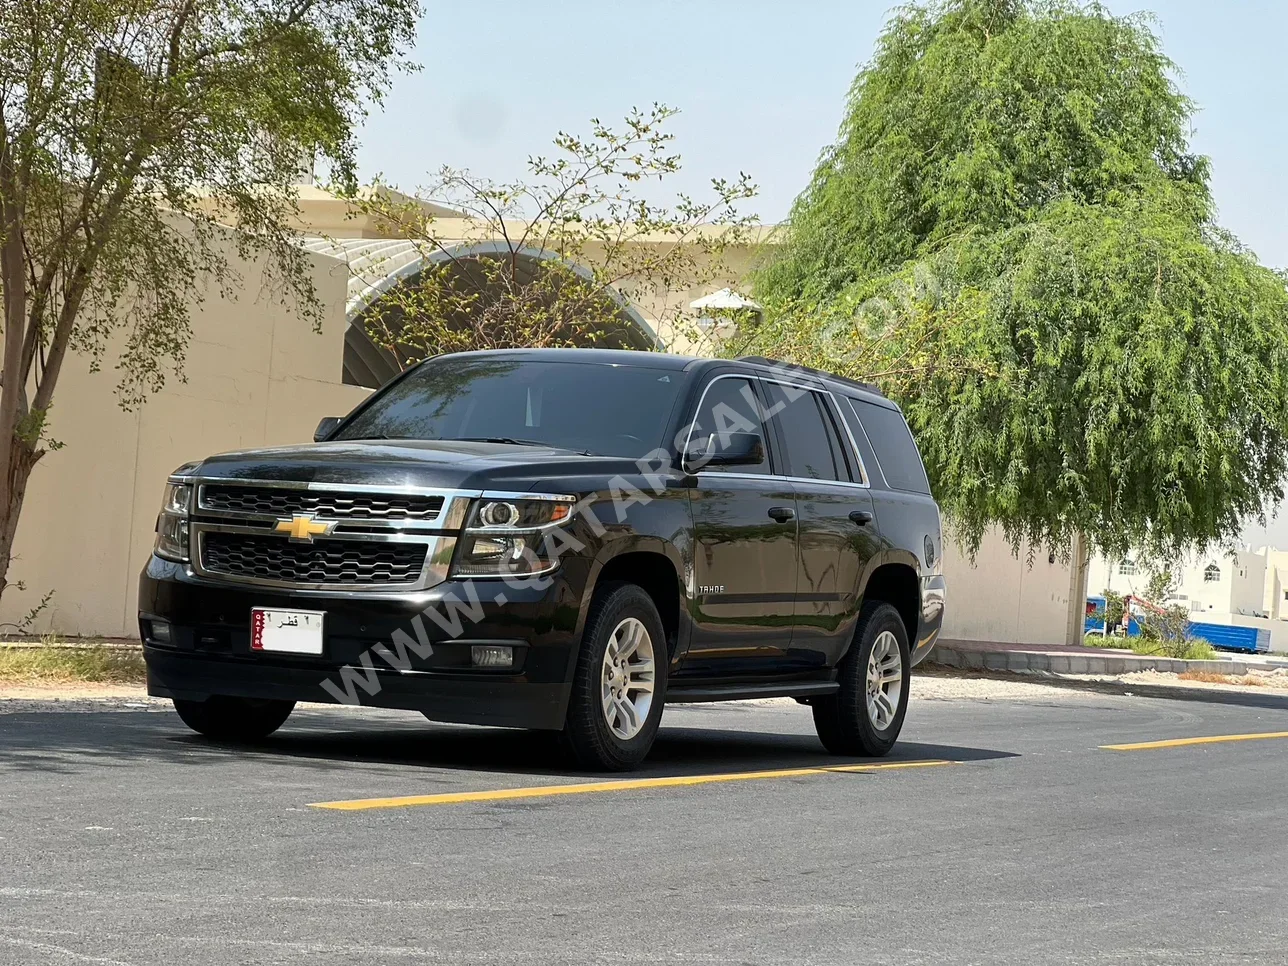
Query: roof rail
[776,363]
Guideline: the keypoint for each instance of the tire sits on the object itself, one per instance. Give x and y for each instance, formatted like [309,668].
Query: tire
[619,614]
[847,723]
[226,718]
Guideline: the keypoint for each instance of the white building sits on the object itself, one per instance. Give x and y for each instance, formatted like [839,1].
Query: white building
[1275,599]
[1211,587]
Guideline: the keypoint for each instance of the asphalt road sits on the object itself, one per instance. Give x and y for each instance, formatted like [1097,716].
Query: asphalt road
[124,839]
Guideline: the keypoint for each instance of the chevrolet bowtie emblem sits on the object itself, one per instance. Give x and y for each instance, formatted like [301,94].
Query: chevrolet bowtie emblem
[303,527]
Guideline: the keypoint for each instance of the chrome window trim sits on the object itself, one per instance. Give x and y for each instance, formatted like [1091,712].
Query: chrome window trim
[854,444]
[781,479]
[859,419]
[747,377]
[866,481]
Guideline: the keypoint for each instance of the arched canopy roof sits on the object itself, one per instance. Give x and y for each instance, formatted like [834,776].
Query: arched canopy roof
[378,265]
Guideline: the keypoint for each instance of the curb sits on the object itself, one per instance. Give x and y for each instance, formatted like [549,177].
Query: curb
[104,645]
[1009,660]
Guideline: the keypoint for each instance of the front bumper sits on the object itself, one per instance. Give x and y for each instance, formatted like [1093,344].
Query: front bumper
[933,592]
[209,652]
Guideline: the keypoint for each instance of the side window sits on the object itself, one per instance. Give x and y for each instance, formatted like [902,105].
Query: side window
[896,451]
[729,405]
[807,433]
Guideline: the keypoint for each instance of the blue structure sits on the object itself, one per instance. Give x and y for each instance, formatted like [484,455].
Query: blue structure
[1223,637]
[1095,619]
[1226,637]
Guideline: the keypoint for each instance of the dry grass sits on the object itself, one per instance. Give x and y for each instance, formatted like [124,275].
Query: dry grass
[1192,649]
[93,663]
[1212,677]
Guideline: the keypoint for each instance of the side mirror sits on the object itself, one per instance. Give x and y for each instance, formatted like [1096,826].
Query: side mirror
[725,449]
[326,427]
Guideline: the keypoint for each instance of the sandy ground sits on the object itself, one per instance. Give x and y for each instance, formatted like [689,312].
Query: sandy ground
[74,691]
[1253,682]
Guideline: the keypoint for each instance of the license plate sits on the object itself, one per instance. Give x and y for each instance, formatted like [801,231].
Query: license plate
[286,631]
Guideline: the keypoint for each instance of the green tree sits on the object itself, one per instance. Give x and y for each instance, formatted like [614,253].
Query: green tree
[1012,237]
[563,250]
[1162,583]
[131,132]
[1112,614]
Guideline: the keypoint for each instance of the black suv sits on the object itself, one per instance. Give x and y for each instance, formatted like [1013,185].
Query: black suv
[560,539]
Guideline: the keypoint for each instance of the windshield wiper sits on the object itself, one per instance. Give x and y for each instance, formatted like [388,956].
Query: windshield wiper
[517,442]
[497,439]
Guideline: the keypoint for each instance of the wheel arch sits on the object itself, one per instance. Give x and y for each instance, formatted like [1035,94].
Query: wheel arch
[896,582]
[654,566]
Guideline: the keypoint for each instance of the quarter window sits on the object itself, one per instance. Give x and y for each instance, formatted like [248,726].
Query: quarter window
[813,450]
[892,440]
[729,405]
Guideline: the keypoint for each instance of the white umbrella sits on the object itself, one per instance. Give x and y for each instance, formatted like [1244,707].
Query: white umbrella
[726,298]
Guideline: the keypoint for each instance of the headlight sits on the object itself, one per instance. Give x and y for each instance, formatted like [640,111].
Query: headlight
[506,537]
[518,514]
[172,524]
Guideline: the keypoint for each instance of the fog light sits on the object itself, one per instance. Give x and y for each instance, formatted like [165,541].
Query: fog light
[492,655]
[161,632]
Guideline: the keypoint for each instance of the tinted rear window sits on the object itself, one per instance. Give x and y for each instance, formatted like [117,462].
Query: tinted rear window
[607,410]
[895,450]
[805,430]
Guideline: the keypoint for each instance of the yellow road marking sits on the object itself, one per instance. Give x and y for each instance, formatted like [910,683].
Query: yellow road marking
[1182,742]
[673,781]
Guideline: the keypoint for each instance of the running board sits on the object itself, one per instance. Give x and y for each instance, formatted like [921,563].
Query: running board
[741,692]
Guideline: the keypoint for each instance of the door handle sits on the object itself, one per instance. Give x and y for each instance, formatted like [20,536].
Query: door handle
[782,513]
[861,517]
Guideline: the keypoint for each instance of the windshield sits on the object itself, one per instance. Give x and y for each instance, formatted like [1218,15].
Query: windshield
[603,410]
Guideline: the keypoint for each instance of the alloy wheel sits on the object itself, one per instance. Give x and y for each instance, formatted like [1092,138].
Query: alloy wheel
[628,678]
[885,680]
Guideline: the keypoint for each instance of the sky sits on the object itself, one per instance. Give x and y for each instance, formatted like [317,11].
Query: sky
[761,85]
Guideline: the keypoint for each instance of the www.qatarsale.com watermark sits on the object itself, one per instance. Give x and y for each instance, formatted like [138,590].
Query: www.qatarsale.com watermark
[462,605]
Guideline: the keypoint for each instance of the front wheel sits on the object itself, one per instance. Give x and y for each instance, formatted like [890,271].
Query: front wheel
[865,716]
[225,718]
[620,681]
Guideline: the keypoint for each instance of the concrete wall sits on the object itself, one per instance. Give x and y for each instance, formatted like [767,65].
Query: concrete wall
[999,597]
[256,376]
[1248,582]
[1275,589]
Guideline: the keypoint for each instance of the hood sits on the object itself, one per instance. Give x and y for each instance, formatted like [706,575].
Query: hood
[450,464]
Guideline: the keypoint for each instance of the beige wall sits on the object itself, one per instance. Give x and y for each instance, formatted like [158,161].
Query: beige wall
[1000,598]
[257,376]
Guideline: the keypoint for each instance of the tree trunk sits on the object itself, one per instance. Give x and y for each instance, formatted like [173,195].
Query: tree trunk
[1079,564]
[22,458]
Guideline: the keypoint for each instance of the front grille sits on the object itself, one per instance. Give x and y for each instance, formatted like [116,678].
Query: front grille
[324,562]
[345,506]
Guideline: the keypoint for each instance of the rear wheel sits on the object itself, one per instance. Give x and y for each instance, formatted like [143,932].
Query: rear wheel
[620,682]
[225,718]
[866,715]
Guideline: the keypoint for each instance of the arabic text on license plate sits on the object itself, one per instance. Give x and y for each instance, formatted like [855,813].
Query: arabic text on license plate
[290,631]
